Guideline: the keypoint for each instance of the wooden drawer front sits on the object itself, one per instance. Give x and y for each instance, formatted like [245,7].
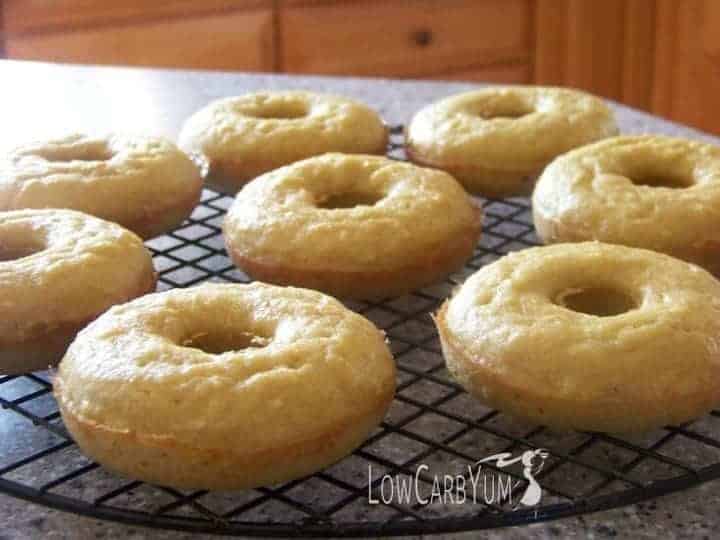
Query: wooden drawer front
[23,16]
[240,41]
[506,74]
[407,38]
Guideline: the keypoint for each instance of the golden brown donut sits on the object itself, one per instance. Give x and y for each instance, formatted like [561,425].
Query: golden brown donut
[496,141]
[650,191]
[144,184]
[587,336]
[59,270]
[225,386]
[353,226]
[245,136]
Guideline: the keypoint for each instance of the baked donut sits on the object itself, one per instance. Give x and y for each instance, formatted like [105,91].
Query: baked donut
[144,184]
[243,137]
[655,192]
[495,141]
[364,227]
[60,269]
[225,386]
[587,336]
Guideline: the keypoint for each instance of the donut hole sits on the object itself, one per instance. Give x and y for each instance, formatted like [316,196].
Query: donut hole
[280,110]
[665,181]
[597,301]
[350,199]
[507,108]
[214,342]
[85,152]
[642,167]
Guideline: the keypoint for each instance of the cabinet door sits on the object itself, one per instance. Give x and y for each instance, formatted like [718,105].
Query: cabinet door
[604,47]
[232,41]
[687,69]
[402,38]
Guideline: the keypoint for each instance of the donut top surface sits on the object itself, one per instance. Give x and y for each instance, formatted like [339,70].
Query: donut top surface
[351,211]
[116,178]
[508,128]
[273,128]
[61,265]
[648,191]
[188,366]
[579,321]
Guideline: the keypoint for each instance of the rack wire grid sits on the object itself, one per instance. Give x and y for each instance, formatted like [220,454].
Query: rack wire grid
[432,422]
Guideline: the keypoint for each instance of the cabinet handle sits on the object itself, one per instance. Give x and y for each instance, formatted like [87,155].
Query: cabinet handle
[422,37]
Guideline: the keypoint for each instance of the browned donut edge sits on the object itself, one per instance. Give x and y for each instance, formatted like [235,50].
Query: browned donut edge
[705,254]
[633,415]
[373,285]
[45,349]
[166,216]
[506,183]
[165,460]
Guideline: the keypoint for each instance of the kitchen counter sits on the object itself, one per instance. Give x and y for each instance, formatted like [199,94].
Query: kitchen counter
[42,100]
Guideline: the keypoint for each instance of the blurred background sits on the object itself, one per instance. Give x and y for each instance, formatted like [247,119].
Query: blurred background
[662,56]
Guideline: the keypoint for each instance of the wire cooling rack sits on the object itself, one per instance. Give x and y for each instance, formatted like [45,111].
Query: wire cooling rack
[433,429]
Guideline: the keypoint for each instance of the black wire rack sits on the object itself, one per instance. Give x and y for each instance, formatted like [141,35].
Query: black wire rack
[433,429]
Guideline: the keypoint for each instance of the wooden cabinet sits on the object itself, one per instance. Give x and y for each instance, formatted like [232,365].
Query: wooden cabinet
[407,39]
[205,42]
[213,34]
[520,73]
[659,55]
[48,16]
[687,72]
[606,47]
[448,39]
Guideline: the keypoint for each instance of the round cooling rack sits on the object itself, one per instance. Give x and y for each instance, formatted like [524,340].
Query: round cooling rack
[433,429]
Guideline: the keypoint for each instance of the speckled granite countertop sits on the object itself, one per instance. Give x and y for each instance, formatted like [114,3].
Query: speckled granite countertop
[41,99]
